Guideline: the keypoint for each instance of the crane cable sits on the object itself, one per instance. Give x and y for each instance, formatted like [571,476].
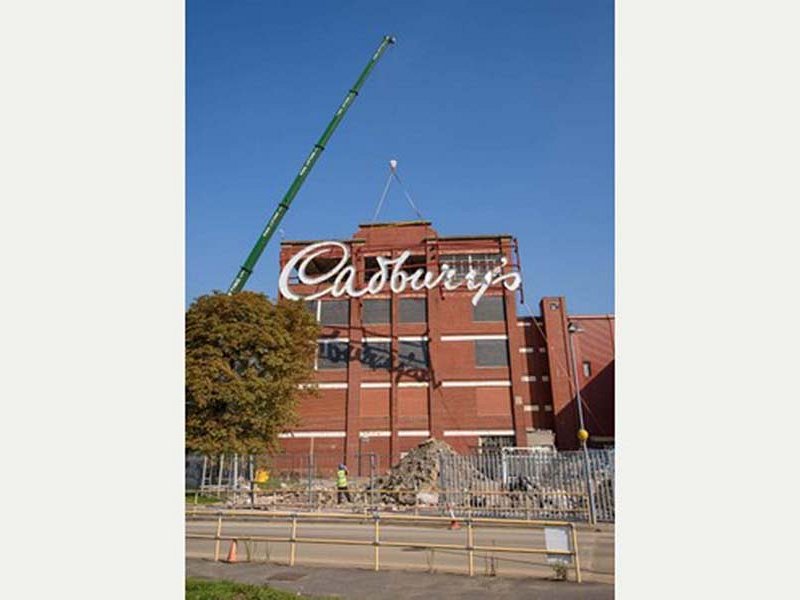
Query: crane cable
[383,197]
[393,174]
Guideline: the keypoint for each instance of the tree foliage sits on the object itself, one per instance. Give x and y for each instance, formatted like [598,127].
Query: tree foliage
[245,357]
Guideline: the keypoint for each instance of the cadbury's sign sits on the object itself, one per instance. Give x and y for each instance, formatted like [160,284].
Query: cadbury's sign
[341,279]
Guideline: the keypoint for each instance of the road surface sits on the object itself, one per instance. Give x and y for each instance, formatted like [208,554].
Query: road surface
[595,547]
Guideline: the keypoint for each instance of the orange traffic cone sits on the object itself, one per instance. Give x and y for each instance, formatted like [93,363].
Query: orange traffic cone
[453,523]
[232,553]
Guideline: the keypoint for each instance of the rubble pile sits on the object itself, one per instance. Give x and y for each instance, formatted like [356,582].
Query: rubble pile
[415,479]
[418,470]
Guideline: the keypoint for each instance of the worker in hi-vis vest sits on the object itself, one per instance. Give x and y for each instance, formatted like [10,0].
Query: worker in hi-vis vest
[341,485]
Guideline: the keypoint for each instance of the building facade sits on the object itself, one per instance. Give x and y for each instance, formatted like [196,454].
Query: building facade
[399,364]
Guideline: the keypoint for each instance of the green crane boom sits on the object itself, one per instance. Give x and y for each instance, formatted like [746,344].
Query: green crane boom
[247,268]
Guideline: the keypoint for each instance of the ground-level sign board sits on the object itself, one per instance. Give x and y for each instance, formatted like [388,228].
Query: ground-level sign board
[558,539]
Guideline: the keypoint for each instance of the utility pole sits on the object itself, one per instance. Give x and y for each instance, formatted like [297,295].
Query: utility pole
[583,435]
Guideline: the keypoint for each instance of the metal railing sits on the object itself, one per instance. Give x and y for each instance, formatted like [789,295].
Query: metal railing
[550,484]
[540,485]
[500,503]
[568,558]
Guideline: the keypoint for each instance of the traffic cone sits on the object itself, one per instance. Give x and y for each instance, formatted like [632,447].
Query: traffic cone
[232,553]
[453,523]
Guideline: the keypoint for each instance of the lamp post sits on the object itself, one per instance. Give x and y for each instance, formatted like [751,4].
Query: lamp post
[583,435]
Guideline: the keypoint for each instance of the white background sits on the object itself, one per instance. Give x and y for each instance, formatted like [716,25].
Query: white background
[92,251]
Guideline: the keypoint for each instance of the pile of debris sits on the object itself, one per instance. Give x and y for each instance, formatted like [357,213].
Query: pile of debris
[415,479]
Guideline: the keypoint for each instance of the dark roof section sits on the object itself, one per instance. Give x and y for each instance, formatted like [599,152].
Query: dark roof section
[396,224]
[471,237]
[344,241]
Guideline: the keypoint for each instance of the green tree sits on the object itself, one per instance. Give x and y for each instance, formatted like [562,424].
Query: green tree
[245,357]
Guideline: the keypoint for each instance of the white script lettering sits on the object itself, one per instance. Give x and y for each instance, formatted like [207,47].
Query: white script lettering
[342,276]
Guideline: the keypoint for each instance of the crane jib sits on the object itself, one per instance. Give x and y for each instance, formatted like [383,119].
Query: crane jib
[283,206]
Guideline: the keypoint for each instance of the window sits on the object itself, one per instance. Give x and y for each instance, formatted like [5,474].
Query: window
[587,368]
[371,266]
[413,310]
[311,307]
[489,308]
[376,311]
[335,312]
[332,355]
[493,443]
[411,265]
[376,355]
[412,354]
[491,353]
[415,263]
[318,266]
[462,263]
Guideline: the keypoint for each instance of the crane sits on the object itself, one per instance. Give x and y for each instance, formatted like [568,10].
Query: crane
[272,225]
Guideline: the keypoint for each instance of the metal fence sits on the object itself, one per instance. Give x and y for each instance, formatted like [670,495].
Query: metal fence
[545,485]
[234,471]
[508,482]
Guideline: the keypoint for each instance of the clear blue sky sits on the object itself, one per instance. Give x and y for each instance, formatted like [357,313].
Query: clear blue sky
[500,114]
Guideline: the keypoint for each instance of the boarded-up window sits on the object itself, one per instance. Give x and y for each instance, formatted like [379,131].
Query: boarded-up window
[412,402]
[376,311]
[332,355]
[413,310]
[373,403]
[376,355]
[412,354]
[489,308]
[335,312]
[491,353]
[311,307]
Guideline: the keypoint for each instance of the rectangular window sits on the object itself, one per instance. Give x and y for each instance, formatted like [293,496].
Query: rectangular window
[459,262]
[491,353]
[332,355]
[413,310]
[311,307]
[587,368]
[412,355]
[489,308]
[376,356]
[376,311]
[493,443]
[335,312]
[463,263]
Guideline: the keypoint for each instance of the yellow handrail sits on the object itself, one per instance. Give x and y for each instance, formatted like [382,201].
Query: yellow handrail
[292,539]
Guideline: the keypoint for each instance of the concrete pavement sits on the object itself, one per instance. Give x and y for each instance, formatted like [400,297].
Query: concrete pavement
[362,584]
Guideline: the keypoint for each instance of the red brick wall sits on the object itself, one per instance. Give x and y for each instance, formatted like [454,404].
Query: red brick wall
[544,399]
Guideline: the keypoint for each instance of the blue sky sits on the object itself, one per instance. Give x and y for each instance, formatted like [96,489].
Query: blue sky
[501,116]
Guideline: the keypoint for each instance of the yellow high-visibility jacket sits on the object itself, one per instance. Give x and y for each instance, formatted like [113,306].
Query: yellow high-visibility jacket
[341,478]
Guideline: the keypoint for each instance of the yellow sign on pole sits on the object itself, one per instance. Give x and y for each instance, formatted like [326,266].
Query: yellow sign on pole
[262,476]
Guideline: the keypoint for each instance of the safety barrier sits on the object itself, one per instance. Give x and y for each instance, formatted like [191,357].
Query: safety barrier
[541,485]
[469,547]
[541,505]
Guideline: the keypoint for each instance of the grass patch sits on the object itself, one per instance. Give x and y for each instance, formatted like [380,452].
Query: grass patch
[202,589]
[201,499]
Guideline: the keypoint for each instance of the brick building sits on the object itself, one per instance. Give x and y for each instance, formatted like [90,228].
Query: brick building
[397,367]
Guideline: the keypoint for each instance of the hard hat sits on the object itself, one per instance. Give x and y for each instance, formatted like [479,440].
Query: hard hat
[341,466]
